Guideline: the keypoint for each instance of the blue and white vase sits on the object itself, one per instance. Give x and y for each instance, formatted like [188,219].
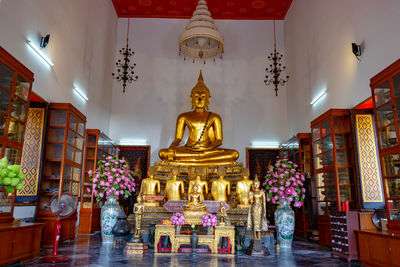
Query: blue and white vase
[284,216]
[109,214]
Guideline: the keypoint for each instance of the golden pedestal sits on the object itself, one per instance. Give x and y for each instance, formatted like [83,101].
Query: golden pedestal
[194,217]
[136,248]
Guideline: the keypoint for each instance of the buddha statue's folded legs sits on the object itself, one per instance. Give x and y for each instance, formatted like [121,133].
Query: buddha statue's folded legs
[184,155]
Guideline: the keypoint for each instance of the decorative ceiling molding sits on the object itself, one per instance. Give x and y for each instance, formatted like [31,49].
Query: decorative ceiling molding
[183,9]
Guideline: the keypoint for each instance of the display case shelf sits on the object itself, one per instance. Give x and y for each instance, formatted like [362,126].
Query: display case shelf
[98,146]
[298,150]
[62,171]
[15,90]
[334,170]
[385,88]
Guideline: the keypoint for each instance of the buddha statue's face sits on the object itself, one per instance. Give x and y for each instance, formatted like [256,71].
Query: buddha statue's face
[195,188]
[200,98]
[256,184]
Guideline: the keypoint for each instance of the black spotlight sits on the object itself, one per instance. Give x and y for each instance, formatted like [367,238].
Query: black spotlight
[356,49]
[44,40]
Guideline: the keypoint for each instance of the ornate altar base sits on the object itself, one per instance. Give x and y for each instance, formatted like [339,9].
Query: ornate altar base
[211,241]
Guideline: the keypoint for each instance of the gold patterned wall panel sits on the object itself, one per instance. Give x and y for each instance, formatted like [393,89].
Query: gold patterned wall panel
[370,175]
[31,153]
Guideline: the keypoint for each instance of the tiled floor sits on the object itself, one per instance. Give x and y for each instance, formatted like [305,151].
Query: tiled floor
[89,251]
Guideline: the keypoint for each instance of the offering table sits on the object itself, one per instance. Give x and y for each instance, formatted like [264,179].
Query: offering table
[211,240]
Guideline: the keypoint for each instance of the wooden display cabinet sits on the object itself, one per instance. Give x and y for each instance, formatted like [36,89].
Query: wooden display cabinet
[334,172]
[298,150]
[98,146]
[62,165]
[385,87]
[15,90]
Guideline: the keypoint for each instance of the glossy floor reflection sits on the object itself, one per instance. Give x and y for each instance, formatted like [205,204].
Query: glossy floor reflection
[89,251]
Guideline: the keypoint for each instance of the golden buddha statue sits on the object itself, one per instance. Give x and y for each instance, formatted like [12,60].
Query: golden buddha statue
[150,187]
[205,134]
[138,210]
[194,209]
[243,188]
[257,220]
[203,185]
[174,187]
[220,188]
[223,216]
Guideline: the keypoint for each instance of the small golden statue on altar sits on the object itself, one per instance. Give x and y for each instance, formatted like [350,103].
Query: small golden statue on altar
[136,246]
[222,215]
[203,185]
[205,134]
[257,220]
[138,210]
[243,188]
[194,209]
[174,187]
[150,187]
[220,188]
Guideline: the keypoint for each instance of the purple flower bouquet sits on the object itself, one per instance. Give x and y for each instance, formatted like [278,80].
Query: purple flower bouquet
[177,219]
[209,220]
[284,182]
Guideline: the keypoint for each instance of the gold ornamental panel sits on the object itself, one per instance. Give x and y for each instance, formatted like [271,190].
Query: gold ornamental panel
[31,154]
[371,182]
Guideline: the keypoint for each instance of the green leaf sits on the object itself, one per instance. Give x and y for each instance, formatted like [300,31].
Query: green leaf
[10,189]
[116,186]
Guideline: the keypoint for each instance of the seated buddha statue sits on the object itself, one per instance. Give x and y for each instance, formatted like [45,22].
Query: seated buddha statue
[150,187]
[194,202]
[200,183]
[220,188]
[243,188]
[205,134]
[174,187]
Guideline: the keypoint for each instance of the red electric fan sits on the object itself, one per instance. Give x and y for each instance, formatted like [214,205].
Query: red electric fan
[61,208]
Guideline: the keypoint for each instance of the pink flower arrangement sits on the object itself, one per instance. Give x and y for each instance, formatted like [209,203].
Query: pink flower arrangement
[112,178]
[177,219]
[209,220]
[284,182]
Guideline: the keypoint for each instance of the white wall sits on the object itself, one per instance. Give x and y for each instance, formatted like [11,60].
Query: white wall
[318,37]
[249,110]
[81,46]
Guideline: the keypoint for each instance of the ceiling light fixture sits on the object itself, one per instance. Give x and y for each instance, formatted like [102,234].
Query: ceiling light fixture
[201,38]
[275,68]
[264,144]
[80,93]
[39,53]
[319,96]
[125,72]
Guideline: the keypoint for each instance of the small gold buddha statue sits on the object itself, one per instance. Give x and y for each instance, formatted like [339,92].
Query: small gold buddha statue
[194,209]
[205,134]
[222,215]
[220,188]
[150,187]
[138,210]
[203,185]
[243,188]
[174,187]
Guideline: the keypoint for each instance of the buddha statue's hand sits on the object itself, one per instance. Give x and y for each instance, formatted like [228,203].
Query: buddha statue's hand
[171,154]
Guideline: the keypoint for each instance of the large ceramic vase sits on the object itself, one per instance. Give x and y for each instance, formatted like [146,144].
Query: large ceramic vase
[284,217]
[109,214]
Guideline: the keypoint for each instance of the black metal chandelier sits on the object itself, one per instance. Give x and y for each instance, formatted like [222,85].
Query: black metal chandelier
[125,72]
[275,69]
